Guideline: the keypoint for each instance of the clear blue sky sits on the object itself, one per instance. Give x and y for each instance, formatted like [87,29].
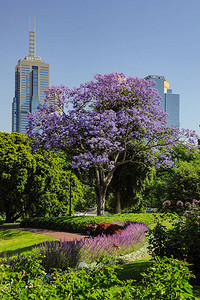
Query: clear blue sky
[80,38]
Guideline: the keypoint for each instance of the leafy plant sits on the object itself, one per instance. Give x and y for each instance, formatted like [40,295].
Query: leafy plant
[167,278]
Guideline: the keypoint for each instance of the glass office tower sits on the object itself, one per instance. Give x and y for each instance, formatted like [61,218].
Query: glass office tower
[31,80]
[169,102]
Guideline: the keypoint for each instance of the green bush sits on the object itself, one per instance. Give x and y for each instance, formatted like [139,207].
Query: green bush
[17,281]
[77,224]
[25,278]
[167,278]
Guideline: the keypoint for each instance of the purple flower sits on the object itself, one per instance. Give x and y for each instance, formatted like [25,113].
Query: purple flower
[187,204]
[179,203]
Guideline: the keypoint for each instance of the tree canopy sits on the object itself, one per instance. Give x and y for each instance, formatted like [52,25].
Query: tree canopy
[97,122]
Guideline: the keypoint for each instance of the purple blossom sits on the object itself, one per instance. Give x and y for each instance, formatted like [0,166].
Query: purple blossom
[179,203]
[96,122]
[66,254]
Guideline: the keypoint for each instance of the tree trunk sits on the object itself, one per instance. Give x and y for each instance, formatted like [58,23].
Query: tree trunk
[101,193]
[9,217]
[117,203]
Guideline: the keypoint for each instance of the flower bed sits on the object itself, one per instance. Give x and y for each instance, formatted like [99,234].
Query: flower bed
[70,253]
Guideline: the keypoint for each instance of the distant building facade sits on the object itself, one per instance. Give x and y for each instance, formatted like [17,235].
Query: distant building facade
[169,102]
[31,80]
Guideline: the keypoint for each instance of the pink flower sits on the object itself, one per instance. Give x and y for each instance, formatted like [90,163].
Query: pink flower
[195,202]
[183,225]
[167,203]
[187,204]
[179,203]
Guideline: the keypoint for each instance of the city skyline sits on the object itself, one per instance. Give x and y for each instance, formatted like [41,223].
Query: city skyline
[82,38]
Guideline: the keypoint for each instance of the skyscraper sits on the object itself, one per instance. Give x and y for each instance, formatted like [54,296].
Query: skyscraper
[31,80]
[169,102]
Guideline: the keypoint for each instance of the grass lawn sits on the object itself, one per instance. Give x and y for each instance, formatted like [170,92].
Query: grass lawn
[12,240]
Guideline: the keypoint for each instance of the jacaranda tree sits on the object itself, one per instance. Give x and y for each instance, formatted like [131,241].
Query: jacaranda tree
[97,122]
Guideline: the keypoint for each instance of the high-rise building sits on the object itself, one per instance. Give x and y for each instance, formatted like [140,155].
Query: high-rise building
[31,80]
[169,102]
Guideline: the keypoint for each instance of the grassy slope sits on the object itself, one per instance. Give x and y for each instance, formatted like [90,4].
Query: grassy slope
[12,240]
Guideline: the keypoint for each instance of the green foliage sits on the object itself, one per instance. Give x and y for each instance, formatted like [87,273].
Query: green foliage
[185,182]
[167,278]
[157,191]
[25,278]
[33,184]
[88,200]
[180,182]
[15,164]
[182,241]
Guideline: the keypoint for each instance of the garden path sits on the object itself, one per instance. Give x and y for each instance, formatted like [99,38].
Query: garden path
[59,235]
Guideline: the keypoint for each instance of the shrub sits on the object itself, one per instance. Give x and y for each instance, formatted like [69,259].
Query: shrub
[108,228]
[18,283]
[24,278]
[167,278]
[78,223]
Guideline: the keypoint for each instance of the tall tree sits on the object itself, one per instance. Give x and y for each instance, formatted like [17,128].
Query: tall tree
[15,164]
[31,184]
[102,118]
